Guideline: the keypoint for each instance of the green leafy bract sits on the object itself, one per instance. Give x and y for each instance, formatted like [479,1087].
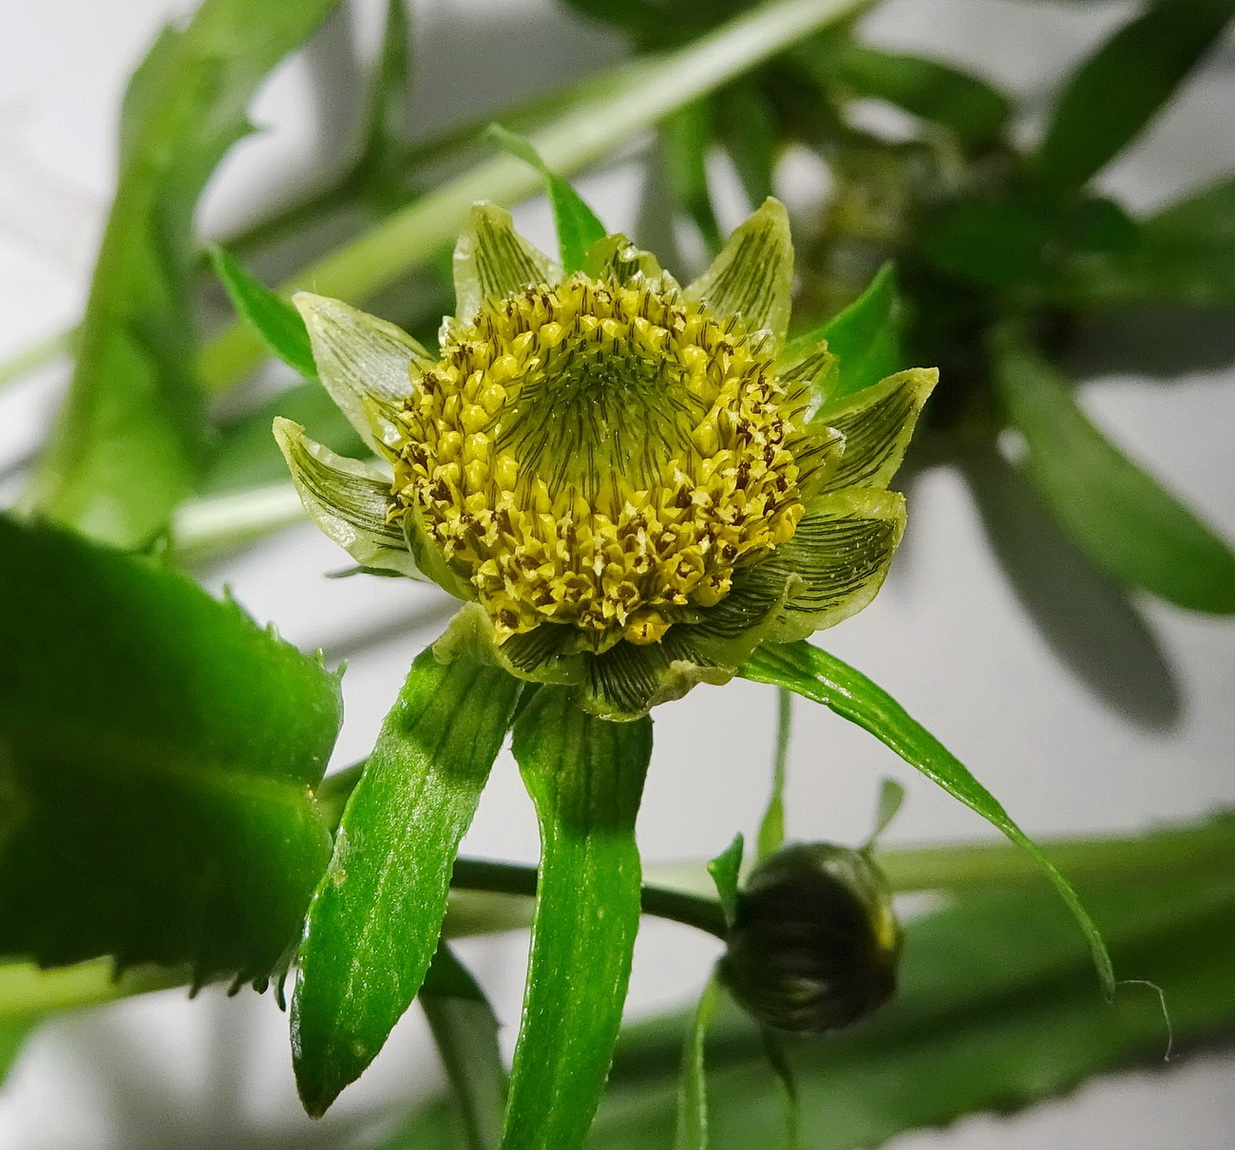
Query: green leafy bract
[1120,88]
[158,752]
[585,776]
[865,338]
[816,675]
[128,442]
[376,915]
[1115,512]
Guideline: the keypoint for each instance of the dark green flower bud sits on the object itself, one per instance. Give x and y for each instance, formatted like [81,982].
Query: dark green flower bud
[813,945]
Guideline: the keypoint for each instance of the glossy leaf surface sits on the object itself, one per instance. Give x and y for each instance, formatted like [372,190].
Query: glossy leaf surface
[158,752]
[816,675]
[585,776]
[376,915]
[1116,513]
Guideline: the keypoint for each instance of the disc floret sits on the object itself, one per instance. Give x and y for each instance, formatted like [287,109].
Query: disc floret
[600,454]
[630,484]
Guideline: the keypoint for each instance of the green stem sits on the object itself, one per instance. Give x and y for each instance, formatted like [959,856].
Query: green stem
[649,91]
[772,829]
[36,355]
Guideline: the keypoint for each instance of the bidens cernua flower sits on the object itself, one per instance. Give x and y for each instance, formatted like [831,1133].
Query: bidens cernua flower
[630,484]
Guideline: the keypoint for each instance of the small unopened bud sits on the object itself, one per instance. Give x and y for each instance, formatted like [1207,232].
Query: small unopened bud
[814,944]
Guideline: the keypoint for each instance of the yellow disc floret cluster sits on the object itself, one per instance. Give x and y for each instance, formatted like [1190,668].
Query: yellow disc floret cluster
[600,454]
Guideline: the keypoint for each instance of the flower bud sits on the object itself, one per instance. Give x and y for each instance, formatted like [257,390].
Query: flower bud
[814,944]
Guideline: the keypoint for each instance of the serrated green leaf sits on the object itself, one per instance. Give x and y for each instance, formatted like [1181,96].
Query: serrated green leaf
[685,139]
[823,678]
[585,776]
[376,915]
[158,752]
[1124,84]
[577,226]
[275,320]
[1116,513]
[127,445]
[865,338]
[975,110]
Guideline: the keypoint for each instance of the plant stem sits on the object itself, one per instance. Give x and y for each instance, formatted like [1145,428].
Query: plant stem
[650,90]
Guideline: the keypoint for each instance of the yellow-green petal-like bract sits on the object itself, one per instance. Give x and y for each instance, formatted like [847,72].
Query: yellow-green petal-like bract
[615,473]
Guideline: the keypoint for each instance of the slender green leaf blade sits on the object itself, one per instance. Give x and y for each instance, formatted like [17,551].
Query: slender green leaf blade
[127,445]
[1116,513]
[1122,86]
[685,139]
[465,1030]
[1186,255]
[274,318]
[974,109]
[692,1108]
[865,338]
[772,827]
[386,127]
[823,678]
[585,776]
[750,131]
[577,226]
[377,913]
[158,752]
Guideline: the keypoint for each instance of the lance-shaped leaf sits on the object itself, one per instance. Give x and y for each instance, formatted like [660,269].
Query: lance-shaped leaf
[971,107]
[585,776]
[128,442]
[1123,85]
[865,339]
[685,137]
[1116,513]
[279,324]
[386,131]
[816,675]
[577,226]
[158,752]
[376,915]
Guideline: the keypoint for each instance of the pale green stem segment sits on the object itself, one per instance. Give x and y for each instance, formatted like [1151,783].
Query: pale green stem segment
[585,776]
[582,134]
[692,1120]
[772,829]
[375,918]
[823,678]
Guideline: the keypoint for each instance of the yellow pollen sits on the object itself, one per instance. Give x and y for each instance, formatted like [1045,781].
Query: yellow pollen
[601,455]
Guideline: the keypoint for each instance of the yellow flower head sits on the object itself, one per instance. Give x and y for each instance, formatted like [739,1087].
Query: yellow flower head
[625,479]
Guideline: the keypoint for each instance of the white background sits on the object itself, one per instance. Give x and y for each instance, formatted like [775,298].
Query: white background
[946,637]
